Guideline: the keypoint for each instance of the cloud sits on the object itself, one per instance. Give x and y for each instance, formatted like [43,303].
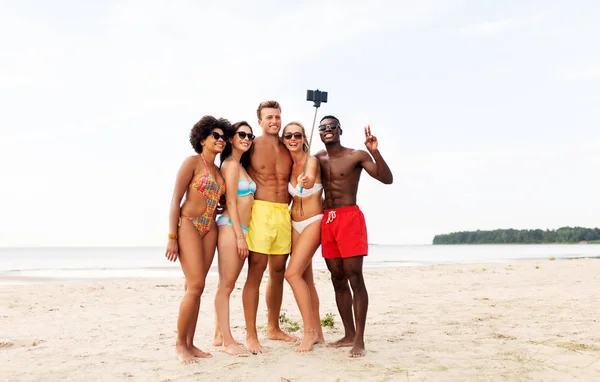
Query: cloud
[580,74]
[508,24]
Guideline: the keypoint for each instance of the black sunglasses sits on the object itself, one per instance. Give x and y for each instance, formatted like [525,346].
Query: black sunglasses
[290,135]
[218,136]
[332,126]
[243,135]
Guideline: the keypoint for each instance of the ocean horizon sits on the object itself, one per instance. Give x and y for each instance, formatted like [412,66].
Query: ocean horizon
[60,264]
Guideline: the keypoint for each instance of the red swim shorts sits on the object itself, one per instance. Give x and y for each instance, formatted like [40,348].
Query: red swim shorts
[344,233]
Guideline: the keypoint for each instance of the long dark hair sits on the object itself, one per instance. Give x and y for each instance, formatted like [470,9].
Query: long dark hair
[245,159]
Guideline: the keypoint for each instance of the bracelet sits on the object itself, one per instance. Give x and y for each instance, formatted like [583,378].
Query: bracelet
[172,236]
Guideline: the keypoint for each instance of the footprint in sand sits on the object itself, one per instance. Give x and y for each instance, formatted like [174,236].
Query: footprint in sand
[21,343]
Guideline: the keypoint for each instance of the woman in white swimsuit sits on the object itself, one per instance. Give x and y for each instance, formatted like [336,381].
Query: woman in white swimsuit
[306,190]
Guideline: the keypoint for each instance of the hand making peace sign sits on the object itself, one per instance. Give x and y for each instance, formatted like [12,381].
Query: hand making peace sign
[370,140]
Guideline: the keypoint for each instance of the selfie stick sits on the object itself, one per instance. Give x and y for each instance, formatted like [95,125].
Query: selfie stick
[317,97]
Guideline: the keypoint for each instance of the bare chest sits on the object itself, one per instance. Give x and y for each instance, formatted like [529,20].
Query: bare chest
[335,169]
[274,163]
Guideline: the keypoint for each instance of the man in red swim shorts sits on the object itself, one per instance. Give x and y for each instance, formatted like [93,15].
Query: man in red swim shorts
[343,229]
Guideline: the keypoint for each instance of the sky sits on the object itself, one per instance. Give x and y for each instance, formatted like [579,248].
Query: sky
[486,111]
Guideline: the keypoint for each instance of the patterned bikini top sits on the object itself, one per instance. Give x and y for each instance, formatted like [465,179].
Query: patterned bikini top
[207,185]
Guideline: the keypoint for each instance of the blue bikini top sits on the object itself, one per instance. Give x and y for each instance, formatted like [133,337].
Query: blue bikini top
[246,188]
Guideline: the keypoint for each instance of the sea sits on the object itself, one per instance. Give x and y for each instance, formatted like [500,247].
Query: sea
[73,264]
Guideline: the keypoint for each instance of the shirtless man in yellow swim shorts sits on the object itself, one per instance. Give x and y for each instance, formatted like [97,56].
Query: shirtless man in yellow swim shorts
[270,230]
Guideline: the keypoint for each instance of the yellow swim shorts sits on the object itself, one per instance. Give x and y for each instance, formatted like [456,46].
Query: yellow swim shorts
[270,228]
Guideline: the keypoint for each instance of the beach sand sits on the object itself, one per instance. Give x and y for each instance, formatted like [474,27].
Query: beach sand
[531,320]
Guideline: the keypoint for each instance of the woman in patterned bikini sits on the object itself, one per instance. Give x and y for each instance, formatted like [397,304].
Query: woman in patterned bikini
[306,190]
[192,228]
[233,227]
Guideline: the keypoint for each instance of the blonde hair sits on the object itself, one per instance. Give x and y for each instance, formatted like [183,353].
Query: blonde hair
[305,147]
[267,105]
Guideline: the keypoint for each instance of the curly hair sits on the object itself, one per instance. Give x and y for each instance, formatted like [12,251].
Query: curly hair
[305,147]
[204,127]
[245,159]
[267,104]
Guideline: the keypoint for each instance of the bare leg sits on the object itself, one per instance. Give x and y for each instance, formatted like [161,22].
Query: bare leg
[304,247]
[353,268]
[314,300]
[217,337]
[275,298]
[230,266]
[257,263]
[192,264]
[343,299]
[209,244]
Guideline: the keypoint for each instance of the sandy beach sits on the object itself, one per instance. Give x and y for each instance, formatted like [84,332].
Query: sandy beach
[519,321]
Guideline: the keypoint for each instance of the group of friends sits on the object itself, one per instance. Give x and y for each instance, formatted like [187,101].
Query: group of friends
[268,195]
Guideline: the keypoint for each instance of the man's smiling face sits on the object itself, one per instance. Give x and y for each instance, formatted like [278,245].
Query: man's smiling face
[270,120]
[330,130]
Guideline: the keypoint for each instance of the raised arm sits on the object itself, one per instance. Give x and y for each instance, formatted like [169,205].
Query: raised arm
[184,177]
[376,166]
[307,179]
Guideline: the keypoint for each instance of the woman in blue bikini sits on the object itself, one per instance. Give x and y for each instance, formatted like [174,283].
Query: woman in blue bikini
[233,226]
[306,190]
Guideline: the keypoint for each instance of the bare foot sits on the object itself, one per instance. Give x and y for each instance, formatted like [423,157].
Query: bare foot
[342,343]
[357,351]
[184,355]
[320,339]
[253,346]
[280,335]
[218,341]
[307,342]
[234,349]
[199,353]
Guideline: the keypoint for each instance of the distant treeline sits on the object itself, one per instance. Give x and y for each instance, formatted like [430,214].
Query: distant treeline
[520,236]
